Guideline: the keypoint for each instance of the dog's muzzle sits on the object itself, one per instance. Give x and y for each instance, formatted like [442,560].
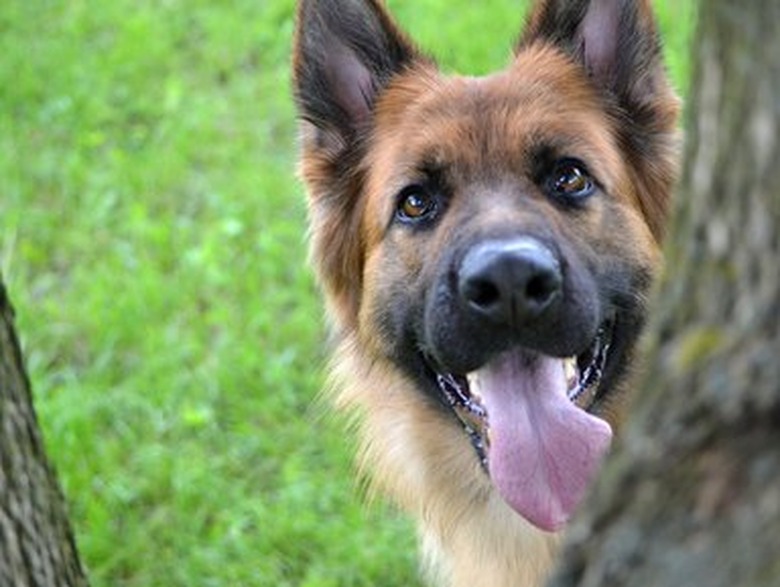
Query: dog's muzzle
[522,402]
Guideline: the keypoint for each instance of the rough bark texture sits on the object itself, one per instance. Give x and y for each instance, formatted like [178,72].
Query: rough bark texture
[36,542]
[692,496]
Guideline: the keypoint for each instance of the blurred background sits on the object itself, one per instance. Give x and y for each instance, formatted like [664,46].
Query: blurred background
[152,239]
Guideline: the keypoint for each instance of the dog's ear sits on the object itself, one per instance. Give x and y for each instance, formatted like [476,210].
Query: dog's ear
[615,40]
[345,52]
[617,44]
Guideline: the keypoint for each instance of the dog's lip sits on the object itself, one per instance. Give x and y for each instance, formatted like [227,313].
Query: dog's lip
[584,374]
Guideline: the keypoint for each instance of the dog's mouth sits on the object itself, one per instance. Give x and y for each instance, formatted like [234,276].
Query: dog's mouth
[529,419]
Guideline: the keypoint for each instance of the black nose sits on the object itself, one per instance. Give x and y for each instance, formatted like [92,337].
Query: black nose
[510,282]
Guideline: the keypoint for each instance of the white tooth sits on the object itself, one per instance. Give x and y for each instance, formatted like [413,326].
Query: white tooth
[474,386]
[570,368]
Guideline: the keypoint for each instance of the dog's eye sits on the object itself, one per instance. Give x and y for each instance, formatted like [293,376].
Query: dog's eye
[416,202]
[571,180]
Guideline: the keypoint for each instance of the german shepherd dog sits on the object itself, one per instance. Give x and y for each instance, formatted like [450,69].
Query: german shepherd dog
[486,246]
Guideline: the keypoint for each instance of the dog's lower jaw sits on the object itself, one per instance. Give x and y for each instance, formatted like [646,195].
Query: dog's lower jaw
[416,453]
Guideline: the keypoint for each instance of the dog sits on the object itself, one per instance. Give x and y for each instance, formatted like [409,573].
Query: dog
[485,247]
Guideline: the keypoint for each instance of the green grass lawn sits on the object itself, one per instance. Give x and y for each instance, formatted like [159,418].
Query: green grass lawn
[152,238]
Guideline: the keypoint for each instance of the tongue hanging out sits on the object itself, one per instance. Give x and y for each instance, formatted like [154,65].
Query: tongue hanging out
[543,450]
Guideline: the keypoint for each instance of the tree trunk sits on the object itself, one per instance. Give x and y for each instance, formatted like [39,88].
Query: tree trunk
[692,496]
[36,543]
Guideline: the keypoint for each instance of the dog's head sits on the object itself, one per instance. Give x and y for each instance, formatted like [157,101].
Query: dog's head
[495,238]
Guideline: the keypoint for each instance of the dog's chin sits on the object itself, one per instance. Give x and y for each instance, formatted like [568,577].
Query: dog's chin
[530,419]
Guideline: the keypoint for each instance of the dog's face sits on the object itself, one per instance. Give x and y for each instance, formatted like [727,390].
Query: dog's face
[494,238]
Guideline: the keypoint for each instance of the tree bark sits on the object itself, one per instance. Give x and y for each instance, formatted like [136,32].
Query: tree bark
[36,542]
[692,496]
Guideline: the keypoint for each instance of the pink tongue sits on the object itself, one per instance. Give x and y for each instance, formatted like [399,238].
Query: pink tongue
[544,450]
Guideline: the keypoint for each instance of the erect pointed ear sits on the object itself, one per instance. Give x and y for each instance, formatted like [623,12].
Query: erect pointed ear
[345,52]
[615,40]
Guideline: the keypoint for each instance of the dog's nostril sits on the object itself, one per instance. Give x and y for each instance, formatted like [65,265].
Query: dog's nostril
[481,293]
[542,288]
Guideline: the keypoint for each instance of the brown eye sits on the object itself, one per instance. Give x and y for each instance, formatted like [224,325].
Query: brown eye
[416,203]
[571,180]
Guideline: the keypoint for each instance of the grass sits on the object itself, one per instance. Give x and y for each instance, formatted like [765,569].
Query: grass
[152,238]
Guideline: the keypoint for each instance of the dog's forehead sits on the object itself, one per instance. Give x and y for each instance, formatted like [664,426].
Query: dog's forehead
[542,100]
